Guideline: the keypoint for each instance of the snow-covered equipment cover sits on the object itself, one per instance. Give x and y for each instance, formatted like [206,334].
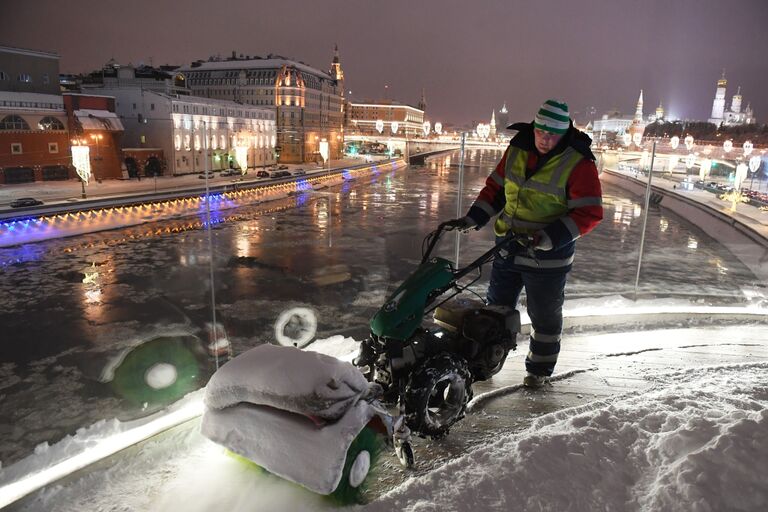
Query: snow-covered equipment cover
[292,412]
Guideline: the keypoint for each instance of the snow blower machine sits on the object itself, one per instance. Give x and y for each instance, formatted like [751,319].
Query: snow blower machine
[428,371]
[306,417]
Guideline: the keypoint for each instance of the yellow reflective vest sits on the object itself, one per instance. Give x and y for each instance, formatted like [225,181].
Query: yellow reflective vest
[536,202]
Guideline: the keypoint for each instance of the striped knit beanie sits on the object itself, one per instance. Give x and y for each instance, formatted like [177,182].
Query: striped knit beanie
[552,117]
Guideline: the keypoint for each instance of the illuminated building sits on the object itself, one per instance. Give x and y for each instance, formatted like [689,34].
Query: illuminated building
[362,119]
[733,116]
[162,122]
[34,137]
[308,103]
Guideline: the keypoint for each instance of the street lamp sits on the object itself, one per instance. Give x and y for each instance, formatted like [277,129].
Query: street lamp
[689,142]
[674,142]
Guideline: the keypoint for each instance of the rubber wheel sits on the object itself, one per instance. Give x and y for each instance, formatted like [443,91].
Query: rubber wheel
[362,456]
[437,395]
[161,371]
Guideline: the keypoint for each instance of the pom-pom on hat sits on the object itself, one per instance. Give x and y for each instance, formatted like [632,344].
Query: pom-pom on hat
[552,117]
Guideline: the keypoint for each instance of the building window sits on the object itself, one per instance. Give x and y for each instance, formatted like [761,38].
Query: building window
[16,148]
[13,122]
[53,147]
[151,106]
[25,77]
[46,79]
[49,123]
[134,106]
[3,75]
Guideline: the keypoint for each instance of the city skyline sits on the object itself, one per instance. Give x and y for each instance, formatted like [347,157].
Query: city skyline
[468,59]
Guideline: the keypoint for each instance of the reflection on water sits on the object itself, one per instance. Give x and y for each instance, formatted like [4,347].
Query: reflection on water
[73,304]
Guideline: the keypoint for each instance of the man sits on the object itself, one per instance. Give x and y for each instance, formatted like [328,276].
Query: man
[546,186]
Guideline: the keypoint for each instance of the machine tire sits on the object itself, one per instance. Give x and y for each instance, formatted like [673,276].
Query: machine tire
[362,456]
[437,395]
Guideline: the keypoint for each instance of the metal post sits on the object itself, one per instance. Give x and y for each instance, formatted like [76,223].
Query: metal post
[645,219]
[214,329]
[460,192]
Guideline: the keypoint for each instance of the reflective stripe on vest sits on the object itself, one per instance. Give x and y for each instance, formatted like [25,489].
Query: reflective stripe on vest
[536,202]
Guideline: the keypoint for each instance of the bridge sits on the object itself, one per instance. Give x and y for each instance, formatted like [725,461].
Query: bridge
[419,149]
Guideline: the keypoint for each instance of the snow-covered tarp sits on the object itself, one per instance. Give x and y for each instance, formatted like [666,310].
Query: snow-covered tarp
[259,404]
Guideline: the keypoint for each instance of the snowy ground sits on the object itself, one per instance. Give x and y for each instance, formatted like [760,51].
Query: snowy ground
[692,439]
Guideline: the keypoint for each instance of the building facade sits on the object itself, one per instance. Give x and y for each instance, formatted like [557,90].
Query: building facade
[34,136]
[93,123]
[396,119]
[308,104]
[237,135]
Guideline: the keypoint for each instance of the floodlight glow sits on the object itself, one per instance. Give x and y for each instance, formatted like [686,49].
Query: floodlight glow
[689,142]
[741,174]
[637,138]
[674,142]
[394,126]
[82,161]
[241,155]
[704,167]
[439,128]
[754,163]
[690,160]
[426,127]
[626,139]
[747,147]
[728,146]
[379,125]
[673,161]
[324,152]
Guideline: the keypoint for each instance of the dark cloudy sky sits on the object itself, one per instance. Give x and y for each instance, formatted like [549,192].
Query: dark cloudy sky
[469,56]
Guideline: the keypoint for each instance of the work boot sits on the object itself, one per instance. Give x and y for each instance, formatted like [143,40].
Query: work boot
[535,381]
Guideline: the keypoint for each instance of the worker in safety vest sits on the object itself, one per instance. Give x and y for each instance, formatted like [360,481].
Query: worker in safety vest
[546,185]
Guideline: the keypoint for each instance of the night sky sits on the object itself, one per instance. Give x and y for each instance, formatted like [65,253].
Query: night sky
[470,57]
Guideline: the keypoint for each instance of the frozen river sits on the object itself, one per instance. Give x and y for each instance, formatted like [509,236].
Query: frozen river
[71,307]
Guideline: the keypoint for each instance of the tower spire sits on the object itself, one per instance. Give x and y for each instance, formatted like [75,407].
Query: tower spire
[423,102]
[639,109]
[336,71]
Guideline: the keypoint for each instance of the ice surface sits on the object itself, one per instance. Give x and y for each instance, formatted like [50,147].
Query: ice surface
[287,378]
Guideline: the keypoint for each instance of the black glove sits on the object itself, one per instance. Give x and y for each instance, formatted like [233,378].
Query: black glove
[462,224]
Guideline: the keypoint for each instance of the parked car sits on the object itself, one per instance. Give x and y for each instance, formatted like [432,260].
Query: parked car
[282,167]
[230,172]
[299,172]
[25,201]
[206,174]
[262,174]
[280,174]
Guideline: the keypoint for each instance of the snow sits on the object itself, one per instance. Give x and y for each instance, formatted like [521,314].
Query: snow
[692,440]
[697,441]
